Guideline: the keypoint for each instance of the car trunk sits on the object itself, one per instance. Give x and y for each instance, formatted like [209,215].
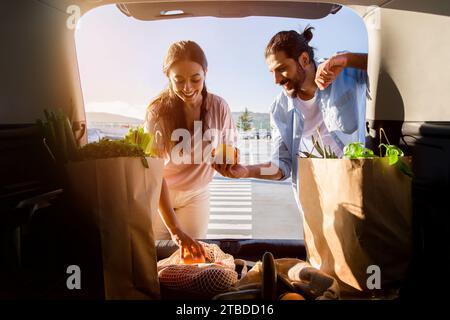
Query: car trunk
[40,69]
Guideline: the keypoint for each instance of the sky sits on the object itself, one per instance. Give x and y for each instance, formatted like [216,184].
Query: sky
[120,58]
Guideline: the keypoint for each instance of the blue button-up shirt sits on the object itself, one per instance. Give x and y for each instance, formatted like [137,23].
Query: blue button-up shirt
[343,107]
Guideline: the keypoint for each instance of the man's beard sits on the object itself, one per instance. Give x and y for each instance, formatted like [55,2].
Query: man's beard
[296,83]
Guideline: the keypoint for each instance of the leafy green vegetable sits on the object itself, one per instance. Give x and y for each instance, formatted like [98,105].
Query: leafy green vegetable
[136,143]
[61,134]
[109,149]
[323,150]
[61,144]
[392,152]
[405,169]
[58,136]
[72,147]
[142,139]
[356,150]
[308,155]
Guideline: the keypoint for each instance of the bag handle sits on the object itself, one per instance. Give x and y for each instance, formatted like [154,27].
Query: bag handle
[381,137]
[402,136]
[385,136]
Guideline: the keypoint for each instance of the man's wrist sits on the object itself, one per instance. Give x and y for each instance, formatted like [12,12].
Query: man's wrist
[343,59]
[354,60]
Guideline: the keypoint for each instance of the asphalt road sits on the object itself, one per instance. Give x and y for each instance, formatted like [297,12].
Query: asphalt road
[252,208]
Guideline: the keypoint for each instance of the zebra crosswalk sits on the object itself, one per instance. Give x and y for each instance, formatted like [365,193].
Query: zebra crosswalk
[231,209]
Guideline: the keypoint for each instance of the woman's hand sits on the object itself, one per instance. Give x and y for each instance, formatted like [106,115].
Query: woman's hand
[191,251]
[232,170]
[329,70]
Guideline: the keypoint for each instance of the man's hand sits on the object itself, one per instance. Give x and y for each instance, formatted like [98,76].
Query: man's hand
[232,170]
[329,70]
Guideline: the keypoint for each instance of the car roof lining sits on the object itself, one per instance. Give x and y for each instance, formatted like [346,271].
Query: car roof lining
[432,7]
[154,11]
[281,7]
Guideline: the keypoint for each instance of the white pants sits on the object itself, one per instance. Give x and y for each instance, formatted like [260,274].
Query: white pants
[192,211]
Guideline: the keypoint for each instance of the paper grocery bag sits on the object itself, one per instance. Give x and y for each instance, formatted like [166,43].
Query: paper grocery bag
[357,218]
[118,196]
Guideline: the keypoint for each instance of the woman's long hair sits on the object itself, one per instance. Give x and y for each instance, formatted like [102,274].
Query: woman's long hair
[167,110]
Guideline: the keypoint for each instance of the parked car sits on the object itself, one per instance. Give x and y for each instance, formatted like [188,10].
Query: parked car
[263,134]
[94,135]
[246,135]
[409,75]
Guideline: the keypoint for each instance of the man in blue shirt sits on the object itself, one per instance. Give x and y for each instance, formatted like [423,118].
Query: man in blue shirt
[321,99]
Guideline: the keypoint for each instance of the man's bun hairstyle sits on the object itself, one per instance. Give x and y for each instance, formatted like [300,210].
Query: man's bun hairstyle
[292,43]
[307,34]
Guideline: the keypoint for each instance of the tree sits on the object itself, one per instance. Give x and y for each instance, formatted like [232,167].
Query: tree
[244,122]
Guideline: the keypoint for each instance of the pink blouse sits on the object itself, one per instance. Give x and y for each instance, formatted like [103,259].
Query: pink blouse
[192,171]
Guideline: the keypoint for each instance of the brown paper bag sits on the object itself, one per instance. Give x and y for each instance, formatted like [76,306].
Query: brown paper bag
[357,213]
[119,195]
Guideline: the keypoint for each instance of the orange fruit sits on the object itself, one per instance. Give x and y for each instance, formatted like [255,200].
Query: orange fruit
[225,154]
[291,296]
[188,258]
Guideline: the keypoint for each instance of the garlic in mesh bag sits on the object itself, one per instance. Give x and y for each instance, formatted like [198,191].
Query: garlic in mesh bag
[216,275]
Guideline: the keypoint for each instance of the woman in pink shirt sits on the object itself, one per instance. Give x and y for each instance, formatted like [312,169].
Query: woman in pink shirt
[187,122]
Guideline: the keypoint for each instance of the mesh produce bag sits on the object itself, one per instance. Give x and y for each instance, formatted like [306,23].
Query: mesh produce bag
[215,276]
